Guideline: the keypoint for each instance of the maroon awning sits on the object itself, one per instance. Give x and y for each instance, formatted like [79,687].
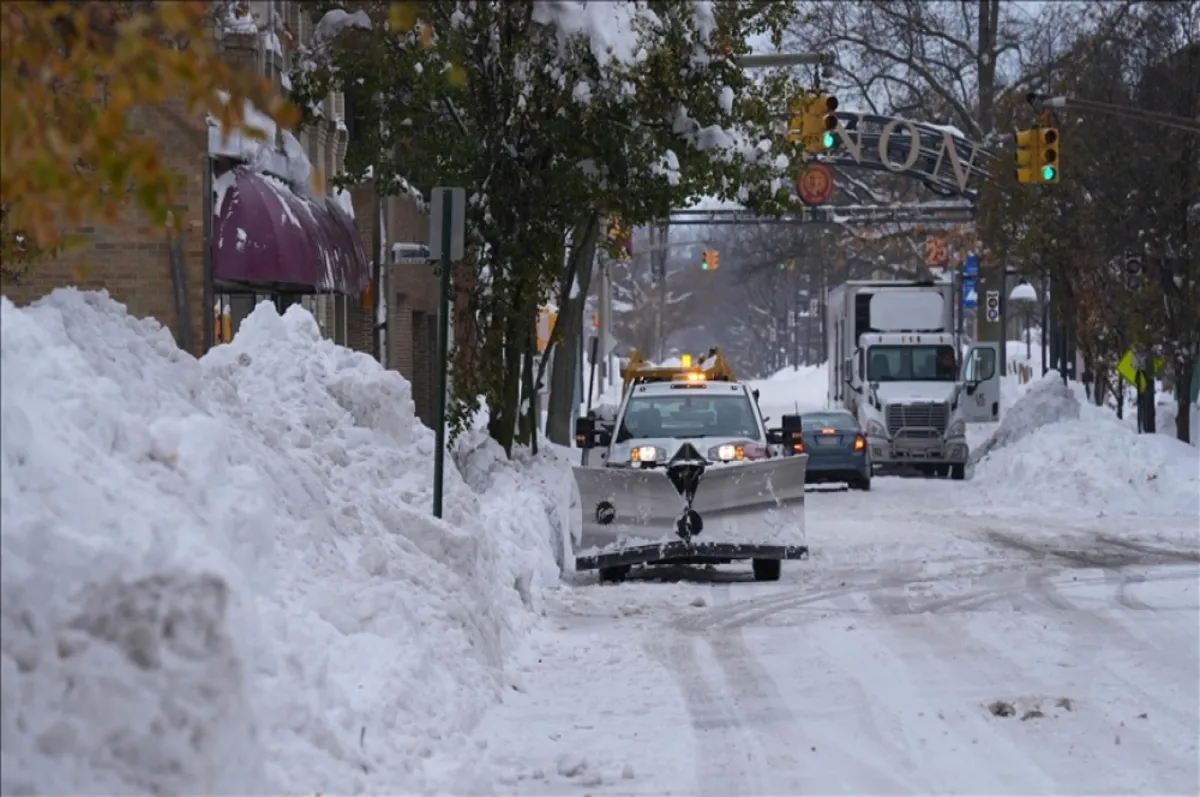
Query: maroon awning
[266,235]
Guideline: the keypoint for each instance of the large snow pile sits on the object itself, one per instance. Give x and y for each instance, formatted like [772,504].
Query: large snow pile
[790,390]
[222,576]
[1046,400]
[1054,452]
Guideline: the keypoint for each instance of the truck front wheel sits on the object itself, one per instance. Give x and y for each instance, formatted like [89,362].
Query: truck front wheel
[767,569]
[614,575]
[958,472]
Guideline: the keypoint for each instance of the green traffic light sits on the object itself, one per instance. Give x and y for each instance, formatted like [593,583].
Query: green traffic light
[1048,173]
[827,141]
[781,267]
[704,266]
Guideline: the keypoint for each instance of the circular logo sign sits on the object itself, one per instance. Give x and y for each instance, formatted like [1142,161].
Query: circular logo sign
[606,513]
[815,183]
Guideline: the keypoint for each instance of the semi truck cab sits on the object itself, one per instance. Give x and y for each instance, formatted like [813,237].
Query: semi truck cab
[908,389]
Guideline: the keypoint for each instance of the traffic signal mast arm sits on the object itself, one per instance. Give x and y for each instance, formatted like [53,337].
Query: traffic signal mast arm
[1042,101]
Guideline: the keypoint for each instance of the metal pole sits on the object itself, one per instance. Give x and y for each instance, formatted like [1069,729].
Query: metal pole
[606,343]
[1028,340]
[443,350]
[1045,321]
[768,60]
[1165,119]
[208,291]
[1003,321]
[377,279]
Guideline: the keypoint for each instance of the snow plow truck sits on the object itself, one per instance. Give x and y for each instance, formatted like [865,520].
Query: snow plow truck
[689,473]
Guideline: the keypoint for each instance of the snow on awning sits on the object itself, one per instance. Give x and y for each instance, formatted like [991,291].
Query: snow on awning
[266,235]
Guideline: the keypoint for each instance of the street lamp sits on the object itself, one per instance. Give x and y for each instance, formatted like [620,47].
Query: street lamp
[1025,296]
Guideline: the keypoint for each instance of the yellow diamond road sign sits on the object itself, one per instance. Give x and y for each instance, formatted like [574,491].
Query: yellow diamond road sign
[1129,371]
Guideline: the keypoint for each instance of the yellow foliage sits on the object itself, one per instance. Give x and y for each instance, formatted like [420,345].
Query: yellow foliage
[70,77]
[402,16]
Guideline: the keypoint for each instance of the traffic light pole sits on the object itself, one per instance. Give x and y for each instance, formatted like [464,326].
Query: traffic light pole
[768,60]
[1043,102]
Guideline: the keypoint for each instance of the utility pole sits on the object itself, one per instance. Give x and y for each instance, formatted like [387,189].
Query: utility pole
[659,246]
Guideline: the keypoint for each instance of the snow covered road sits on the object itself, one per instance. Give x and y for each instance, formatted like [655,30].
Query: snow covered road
[920,650]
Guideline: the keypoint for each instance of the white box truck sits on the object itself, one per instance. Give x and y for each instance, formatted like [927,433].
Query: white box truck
[894,363]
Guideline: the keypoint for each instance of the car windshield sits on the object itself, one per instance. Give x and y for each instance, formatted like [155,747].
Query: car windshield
[691,414]
[829,420]
[911,364]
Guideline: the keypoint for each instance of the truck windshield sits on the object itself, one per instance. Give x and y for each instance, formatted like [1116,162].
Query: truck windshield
[693,414]
[911,364]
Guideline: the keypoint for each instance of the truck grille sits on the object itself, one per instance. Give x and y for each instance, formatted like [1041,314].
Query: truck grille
[918,420]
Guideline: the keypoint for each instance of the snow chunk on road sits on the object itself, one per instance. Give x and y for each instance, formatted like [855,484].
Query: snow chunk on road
[1057,453]
[222,575]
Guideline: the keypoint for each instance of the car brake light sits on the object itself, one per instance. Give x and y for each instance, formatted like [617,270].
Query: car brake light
[860,442]
[798,447]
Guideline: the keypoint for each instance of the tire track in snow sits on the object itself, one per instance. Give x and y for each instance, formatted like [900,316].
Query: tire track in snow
[724,764]
[1085,626]
[777,729]
[1111,556]
[994,659]
[752,610]
[934,666]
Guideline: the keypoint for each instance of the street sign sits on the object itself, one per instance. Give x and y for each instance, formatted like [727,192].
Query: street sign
[937,252]
[993,306]
[456,198]
[971,266]
[1131,364]
[815,184]
[970,293]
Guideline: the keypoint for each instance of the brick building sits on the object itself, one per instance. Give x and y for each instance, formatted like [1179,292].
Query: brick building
[204,281]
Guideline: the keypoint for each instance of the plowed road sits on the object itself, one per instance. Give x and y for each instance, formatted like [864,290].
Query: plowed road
[917,652]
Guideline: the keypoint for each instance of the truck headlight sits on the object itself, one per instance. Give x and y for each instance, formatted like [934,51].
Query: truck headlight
[875,429]
[956,429]
[727,453]
[646,454]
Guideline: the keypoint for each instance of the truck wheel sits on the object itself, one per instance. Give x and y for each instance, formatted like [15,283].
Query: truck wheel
[862,483]
[958,472]
[943,471]
[614,574]
[767,569]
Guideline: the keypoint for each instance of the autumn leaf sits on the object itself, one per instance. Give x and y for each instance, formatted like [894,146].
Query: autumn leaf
[403,16]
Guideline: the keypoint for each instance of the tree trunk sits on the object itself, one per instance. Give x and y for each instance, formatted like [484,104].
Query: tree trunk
[527,424]
[1183,404]
[561,409]
[504,404]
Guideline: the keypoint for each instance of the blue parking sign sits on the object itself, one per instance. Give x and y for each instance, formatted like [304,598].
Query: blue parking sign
[971,266]
[970,293]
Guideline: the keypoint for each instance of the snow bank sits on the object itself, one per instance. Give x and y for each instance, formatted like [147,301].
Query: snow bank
[1046,400]
[791,389]
[1053,451]
[222,576]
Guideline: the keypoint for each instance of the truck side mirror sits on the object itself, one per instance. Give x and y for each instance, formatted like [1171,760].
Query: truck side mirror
[775,437]
[602,438]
